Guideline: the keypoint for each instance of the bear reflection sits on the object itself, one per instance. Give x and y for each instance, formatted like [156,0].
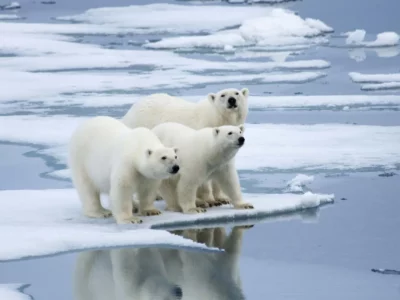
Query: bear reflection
[163,274]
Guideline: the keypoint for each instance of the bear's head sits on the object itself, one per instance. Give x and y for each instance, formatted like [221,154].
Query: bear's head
[161,162]
[231,101]
[229,136]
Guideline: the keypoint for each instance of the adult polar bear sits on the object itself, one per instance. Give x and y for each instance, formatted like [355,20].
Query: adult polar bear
[204,154]
[227,107]
[105,156]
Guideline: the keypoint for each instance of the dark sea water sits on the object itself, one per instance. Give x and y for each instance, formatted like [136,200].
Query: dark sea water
[319,254]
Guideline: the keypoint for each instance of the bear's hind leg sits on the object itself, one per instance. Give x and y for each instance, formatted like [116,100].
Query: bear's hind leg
[89,196]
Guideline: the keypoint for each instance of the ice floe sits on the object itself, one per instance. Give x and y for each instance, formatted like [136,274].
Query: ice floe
[376,81]
[297,183]
[13,292]
[11,6]
[43,222]
[9,17]
[298,102]
[268,146]
[383,39]
[38,85]
[278,27]
[172,18]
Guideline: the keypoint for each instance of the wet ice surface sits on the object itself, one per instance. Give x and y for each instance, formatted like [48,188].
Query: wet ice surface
[328,253]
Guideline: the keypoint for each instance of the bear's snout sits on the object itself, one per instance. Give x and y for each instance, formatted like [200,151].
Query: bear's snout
[241,141]
[175,169]
[232,102]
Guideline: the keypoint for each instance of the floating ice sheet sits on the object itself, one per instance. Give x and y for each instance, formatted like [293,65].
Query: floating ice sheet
[41,222]
[278,27]
[9,17]
[377,81]
[12,292]
[255,102]
[383,39]
[39,85]
[268,146]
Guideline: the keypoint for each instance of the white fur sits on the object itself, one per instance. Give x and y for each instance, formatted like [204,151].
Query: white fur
[204,154]
[210,112]
[156,273]
[213,111]
[105,156]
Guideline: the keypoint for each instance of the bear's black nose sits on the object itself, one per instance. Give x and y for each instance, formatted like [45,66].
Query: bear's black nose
[241,140]
[232,101]
[175,169]
[177,292]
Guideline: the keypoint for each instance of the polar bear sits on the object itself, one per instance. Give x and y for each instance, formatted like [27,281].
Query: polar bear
[226,107]
[204,154]
[106,156]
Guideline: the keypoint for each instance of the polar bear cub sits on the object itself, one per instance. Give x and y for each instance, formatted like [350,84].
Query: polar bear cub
[105,156]
[204,154]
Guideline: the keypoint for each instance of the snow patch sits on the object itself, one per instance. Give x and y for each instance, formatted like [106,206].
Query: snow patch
[377,81]
[42,222]
[383,39]
[268,146]
[11,292]
[11,6]
[299,182]
[277,27]
[298,102]
[40,85]
[9,17]
[168,18]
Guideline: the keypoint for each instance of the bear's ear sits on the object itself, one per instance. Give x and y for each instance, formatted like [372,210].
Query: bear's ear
[176,150]
[215,131]
[149,152]
[245,92]
[241,127]
[211,97]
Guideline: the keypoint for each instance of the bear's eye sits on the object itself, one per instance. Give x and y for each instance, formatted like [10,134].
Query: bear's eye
[236,93]
[164,158]
[223,95]
[176,157]
[230,133]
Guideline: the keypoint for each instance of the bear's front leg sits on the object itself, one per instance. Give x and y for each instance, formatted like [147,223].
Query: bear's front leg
[147,192]
[218,195]
[121,201]
[229,182]
[187,197]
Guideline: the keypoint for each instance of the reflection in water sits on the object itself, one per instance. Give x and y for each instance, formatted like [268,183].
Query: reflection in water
[359,54]
[162,274]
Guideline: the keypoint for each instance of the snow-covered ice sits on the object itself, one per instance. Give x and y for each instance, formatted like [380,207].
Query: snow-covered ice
[11,292]
[255,102]
[383,39]
[9,17]
[268,146]
[277,27]
[377,81]
[297,183]
[38,85]
[42,222]
[11,6]
[173,18]
[364,78]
